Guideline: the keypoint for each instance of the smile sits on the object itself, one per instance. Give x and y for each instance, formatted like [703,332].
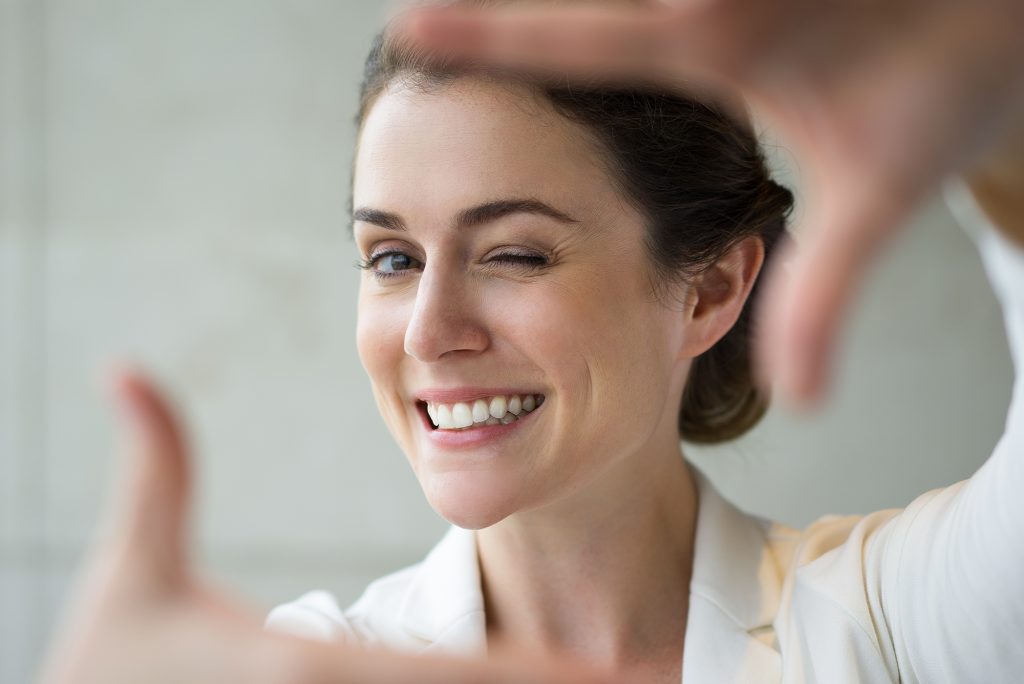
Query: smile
[485,411]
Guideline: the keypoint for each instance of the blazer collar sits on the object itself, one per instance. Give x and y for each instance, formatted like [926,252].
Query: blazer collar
[734,596]
[735,591]
[444,605]
[733,566]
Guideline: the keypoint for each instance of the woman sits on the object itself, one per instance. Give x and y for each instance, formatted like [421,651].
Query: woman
[594,538]
[557,289]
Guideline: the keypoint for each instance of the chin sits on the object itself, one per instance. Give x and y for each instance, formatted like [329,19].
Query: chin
[473,500]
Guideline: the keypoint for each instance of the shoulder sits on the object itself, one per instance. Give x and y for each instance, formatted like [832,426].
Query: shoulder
[373,618]
[434,604]
[840,586]
[836,551]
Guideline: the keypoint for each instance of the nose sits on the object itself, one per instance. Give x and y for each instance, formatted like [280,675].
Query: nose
[444,320]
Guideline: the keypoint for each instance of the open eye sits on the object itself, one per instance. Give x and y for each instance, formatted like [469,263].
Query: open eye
[387,264]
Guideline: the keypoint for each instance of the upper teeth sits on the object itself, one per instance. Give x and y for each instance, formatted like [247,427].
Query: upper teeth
[486,411]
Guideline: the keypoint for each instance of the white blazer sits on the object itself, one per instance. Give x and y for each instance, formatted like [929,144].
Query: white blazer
[930,593]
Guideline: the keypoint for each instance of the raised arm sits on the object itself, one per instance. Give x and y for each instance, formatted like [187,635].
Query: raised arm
[880,102]
[952,566]
[935,592]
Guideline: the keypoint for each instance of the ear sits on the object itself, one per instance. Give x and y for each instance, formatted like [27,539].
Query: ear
[717,295]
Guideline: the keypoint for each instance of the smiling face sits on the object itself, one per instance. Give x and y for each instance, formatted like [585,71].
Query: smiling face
[503,262]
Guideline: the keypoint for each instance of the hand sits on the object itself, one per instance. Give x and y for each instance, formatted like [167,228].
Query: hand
[879,101]
[997,186]
[142,616]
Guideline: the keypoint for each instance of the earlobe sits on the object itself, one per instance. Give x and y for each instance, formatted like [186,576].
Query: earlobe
[720,293]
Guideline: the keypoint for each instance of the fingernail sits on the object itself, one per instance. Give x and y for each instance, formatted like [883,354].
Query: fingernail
[130,411]
[113,375]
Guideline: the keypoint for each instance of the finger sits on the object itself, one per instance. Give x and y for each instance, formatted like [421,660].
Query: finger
[150,517]
[647,42]
[810,290]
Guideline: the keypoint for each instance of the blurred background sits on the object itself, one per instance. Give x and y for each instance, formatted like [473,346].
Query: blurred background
[173,190]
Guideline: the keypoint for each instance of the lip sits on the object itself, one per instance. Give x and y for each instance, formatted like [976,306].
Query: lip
[451,395]
[478,435]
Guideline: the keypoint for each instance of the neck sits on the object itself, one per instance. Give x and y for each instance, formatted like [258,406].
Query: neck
[603,575]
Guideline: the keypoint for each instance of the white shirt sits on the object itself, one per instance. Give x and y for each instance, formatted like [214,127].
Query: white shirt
[930,593]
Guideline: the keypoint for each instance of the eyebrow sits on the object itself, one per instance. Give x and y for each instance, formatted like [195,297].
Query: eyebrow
[471,217]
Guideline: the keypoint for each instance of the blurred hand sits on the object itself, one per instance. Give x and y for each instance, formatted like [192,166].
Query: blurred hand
[878,99]
[141,616]
[998,186]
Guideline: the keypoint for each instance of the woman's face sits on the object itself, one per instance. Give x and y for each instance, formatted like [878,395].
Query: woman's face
[503,262]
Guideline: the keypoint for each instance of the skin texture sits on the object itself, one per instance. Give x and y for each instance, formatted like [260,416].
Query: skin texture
[597,474]
[140,611]
[585,329]
[878,101]
[141,614]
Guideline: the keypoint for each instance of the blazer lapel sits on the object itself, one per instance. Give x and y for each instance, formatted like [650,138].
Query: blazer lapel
[734,596]
[443,606]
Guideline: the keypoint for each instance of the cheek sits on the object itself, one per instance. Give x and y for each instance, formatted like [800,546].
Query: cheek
[604,344]
[380,334]
[380,340]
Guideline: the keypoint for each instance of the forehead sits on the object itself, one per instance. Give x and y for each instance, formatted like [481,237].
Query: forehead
[473,140]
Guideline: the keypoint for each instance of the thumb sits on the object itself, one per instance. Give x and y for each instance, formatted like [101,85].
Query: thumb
[151,501]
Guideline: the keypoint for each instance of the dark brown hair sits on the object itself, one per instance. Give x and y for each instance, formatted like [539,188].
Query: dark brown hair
[696,174]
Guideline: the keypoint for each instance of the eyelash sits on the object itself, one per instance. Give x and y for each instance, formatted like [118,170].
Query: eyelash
[525,260]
